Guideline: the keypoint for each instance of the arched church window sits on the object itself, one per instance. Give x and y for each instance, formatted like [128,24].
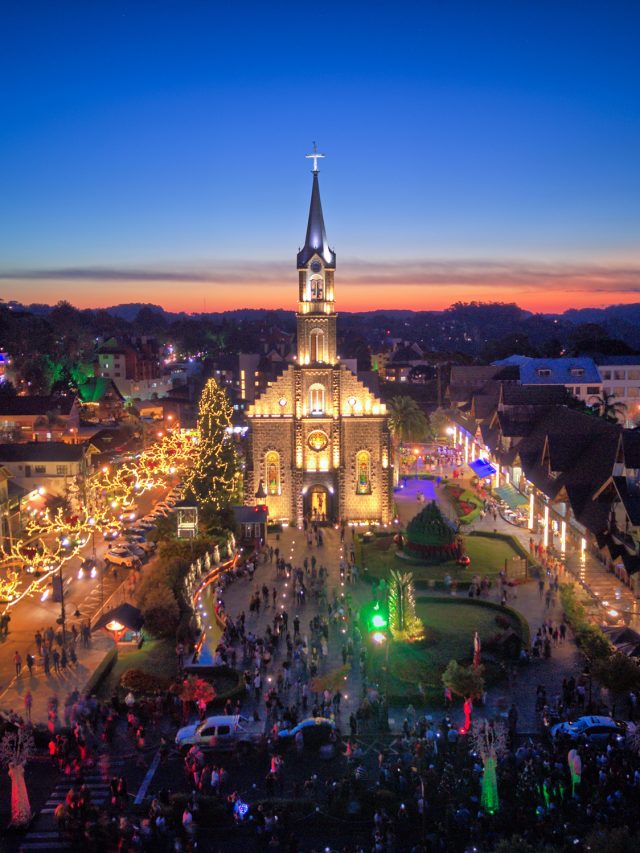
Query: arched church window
[316,345]
[272,465]
[317,288]
[363,472]
[316,399]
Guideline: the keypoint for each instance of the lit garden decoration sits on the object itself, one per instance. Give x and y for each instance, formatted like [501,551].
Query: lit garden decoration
[403,622]
[431,538]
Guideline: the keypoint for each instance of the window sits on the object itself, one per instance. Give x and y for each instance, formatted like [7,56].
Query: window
[61,470]
[606,374]
[619,375]
[543,371]
[316,399]
[39,469]
[363,472]
[632,392]
[317,289]
[316,345]
[633,374]
[272,467]
[224,730]
[577,371]
[593,389]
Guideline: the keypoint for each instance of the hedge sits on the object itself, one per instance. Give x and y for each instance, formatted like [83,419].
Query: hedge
[101,671]
[590,638]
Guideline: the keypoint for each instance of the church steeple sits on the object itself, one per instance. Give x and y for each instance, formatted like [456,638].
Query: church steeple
[316,264]
[316,242]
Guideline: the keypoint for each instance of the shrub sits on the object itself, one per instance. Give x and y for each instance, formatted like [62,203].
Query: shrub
[617,672]
[139,681]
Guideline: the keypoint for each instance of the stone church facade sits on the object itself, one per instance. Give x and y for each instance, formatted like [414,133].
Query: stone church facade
[319,444]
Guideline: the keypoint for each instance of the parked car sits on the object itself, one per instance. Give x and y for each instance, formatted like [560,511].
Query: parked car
[111,533]
[121,556]
[146,523]
[219,733]
[315,731]
[141,542]
[590,728]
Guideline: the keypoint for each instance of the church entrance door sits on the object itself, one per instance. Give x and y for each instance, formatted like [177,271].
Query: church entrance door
[318,503]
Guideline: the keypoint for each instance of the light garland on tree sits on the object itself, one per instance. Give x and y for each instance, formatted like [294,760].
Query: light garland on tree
[213,477]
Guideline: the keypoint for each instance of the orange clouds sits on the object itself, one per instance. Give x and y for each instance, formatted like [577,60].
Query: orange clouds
[360,286]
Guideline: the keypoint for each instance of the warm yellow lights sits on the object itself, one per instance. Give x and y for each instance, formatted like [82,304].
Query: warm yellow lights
[114,626]
[545,533]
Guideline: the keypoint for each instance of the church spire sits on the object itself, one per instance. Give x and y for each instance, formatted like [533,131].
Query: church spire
[316,240]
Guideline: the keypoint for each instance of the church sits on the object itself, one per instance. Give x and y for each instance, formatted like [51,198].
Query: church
[319,445]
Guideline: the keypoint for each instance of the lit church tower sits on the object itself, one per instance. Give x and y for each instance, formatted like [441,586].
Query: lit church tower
[319,443]
[316,267]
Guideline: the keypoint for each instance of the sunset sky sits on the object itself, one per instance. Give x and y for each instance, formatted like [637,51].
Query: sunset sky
[154,152]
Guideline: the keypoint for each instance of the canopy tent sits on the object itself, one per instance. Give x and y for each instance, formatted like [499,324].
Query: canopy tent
[482,468]
[125,615]
[511,496]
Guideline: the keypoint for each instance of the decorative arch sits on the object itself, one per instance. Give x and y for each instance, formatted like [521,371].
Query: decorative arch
[363,472]
[316,345]
[317,394]
[272,472]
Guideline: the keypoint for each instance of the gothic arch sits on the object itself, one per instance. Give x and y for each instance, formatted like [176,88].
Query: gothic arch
[317,399]
[316,345]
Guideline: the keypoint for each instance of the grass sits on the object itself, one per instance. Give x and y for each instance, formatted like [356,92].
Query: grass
[450,625]
[487,558]
[156,656]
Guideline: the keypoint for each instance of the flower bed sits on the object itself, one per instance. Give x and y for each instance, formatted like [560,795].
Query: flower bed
[467,505]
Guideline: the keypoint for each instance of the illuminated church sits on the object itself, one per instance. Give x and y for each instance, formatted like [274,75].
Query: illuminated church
[319,440]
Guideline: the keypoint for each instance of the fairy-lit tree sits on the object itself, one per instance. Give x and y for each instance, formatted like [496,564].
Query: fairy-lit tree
[489,739]
[403,622]
[16,749]
[213,478]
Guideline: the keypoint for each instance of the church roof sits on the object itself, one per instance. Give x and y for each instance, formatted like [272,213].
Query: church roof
[316,239]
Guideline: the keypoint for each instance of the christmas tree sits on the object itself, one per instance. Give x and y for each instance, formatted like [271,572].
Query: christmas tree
[403,622]
[213,478]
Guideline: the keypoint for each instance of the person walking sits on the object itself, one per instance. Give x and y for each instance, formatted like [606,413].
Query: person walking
[56,660]
[30,662]
[28,702]
[17,659]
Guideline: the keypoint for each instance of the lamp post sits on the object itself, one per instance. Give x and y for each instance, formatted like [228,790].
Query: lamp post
[62,610]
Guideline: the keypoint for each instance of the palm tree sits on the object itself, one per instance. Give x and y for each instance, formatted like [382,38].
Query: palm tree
[407,422]
[607,408]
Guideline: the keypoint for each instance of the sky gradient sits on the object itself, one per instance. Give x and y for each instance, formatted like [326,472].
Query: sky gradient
[155,151]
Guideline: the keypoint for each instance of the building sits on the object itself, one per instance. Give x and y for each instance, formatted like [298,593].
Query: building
[579,376]
[101,400]
[38,418]
[620,375]
[319,440]
[134,367]
[44,465]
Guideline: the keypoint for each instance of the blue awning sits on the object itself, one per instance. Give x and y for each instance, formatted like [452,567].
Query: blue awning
[482,468]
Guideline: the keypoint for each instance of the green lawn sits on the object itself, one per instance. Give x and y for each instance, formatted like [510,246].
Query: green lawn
[487,558]
[156,656]
[450,628]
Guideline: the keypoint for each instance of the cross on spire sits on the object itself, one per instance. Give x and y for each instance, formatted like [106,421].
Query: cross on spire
[315,157]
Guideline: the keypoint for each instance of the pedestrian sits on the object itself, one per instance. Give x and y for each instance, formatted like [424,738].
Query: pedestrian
[30,662]
[17,659]
[45,661]
[38,639]
[56,660]
[28,702]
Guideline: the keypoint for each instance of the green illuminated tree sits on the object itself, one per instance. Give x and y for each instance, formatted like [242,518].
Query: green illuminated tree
[213,479]
[403,622]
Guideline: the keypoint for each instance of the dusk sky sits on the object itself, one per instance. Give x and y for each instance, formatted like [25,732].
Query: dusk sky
[482,150]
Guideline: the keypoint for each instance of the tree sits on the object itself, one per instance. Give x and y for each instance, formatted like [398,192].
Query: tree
[403,622]
[16,748]
[213,477]
[407,421]
[160,611]
[617,672]
[489,740]
[607,408]
[463,680]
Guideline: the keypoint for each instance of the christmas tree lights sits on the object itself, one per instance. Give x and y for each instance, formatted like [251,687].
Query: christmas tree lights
[213,477]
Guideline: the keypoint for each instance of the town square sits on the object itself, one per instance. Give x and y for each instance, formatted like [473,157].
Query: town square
[310,546]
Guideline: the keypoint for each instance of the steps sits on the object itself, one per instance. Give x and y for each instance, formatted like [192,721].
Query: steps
[43,834]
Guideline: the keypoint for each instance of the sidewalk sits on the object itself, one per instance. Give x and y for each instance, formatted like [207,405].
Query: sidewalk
[43,687]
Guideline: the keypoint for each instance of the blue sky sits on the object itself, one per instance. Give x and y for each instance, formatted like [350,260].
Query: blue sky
[466,142]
